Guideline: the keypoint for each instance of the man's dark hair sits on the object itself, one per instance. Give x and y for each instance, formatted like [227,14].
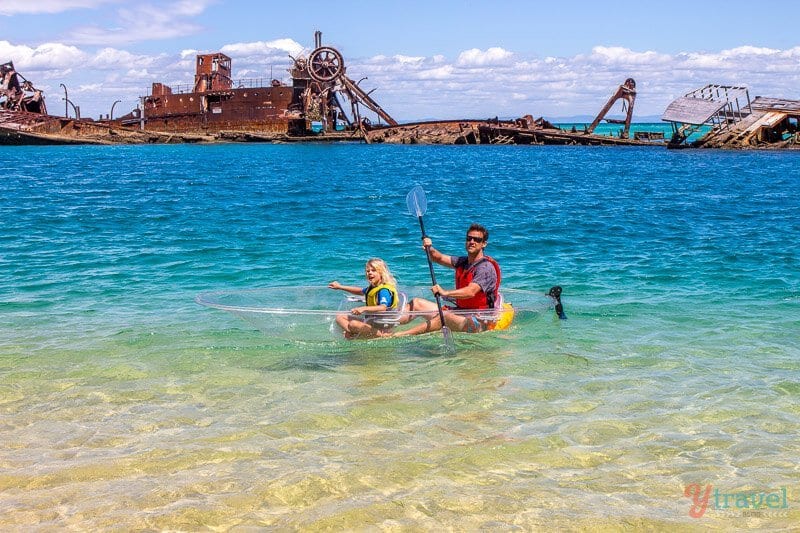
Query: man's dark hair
[478,227]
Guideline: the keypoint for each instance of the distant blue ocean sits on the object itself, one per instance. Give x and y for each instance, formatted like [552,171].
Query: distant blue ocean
[669,399]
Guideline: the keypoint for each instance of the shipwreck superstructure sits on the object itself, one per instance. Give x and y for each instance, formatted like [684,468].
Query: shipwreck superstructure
[22,106]
[19,94]
[724,116]
[213,104]
[320,99]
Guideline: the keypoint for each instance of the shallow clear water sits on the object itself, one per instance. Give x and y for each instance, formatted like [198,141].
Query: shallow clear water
[126,405]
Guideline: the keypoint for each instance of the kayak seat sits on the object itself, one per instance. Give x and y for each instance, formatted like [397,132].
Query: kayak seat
[491,314]
[390,318]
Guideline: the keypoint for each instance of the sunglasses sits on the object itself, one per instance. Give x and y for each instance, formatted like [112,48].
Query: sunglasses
[475,239]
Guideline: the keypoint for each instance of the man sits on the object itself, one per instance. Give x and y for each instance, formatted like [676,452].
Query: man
[477,286]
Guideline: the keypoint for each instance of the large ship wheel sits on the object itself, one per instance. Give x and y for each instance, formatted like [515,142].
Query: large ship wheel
[325,64]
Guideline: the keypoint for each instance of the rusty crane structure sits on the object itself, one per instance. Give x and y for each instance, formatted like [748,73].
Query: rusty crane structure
[625,92]
[321,99]
[321,81]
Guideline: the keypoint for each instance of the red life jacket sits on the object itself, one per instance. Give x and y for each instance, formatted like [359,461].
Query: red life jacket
[481,300]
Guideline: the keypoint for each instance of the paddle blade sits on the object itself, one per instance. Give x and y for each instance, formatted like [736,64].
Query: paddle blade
[449,344]
[416,201]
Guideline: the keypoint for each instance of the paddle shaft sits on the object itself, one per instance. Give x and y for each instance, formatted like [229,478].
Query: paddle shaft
[433,275]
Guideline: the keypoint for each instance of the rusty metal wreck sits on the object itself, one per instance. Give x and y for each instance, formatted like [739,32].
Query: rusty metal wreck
[321,103]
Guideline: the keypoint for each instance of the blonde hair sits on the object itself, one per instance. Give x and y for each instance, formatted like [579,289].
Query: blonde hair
[382,268]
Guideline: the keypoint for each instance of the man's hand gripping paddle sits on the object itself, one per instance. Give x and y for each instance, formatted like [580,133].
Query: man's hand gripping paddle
[417,205]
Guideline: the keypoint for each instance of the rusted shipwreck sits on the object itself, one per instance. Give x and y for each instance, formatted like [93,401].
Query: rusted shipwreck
[523,130]
[320,103]
[724,116]
[24,119]
[543,132]
[321,99]
[22,109]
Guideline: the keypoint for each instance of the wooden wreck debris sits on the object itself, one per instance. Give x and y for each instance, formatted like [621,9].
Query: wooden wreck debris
[772,123]
[733,120]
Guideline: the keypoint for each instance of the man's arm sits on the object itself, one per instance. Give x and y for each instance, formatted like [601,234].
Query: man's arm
[457,294]
[435,255]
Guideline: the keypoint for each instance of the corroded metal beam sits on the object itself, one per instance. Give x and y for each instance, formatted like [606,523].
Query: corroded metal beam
[627,92]
[356,93]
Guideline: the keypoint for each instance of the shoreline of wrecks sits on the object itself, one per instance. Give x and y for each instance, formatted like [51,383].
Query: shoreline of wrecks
[322,104]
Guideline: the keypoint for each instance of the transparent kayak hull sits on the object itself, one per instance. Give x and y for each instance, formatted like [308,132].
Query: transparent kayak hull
[309,313]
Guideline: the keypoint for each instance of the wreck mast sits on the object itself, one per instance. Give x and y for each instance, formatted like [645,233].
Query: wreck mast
[626,92]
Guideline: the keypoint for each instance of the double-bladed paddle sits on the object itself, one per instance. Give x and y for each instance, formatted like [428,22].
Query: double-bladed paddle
[418,205]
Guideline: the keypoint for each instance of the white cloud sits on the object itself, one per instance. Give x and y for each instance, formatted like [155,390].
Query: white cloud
[749,51]
[478,58]
[704,62]
[138,74]
[617,55]
[408,60]
[141,31]
[44,56]
[555,86]
[441,73]
[112,58]
[264,48]
[90,87]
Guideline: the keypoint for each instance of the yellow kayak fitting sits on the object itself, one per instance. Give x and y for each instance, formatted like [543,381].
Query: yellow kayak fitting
[506,317]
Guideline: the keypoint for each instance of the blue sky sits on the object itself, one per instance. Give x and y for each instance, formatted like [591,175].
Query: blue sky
[448,59]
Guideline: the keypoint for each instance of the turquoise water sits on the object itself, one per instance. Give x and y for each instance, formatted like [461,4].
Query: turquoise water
[125,405]
[613,130]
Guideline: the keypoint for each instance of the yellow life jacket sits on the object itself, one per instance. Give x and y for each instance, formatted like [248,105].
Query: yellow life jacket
[372,295]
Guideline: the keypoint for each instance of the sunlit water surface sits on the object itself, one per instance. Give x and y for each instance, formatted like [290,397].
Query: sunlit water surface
[125,405]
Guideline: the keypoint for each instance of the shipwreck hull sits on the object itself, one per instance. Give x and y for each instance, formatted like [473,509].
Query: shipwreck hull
[21,138]
[22,127]
[523,130]
[259,109]
[494,134]
[427,132]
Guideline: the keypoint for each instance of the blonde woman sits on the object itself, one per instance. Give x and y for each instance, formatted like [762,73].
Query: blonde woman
[380,295]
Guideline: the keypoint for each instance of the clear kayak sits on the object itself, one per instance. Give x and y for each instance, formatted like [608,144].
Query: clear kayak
[309,313]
